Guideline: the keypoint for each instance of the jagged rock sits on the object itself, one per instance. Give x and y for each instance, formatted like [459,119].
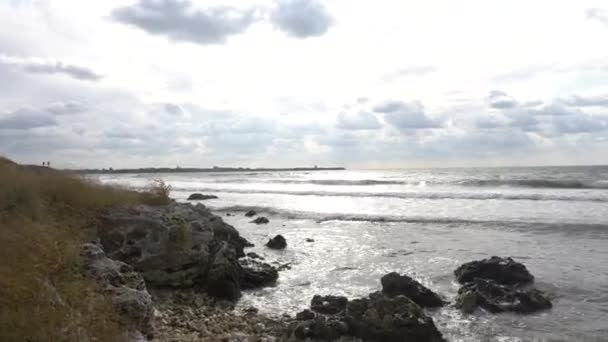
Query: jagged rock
[251,213]
[321,328]
[256,274]
[394,284]
[305,315]
[260,220]
[277,242]
[329,305]
[223,278]
[171,246]
[500,298]
[125,287]
[382,318]
[200,197]
[503,271]
[254,255]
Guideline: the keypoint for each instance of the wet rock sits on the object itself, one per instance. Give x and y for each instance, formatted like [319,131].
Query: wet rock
[260,220]
[394,284]
[254,255]
[305,315]
[496,298]
[503,271]
[200,197]
[125,287]
[251,213]
[256,274]
[223,279]
[310,240]
[321,328]
[382,318]
[329,305]
[277,242]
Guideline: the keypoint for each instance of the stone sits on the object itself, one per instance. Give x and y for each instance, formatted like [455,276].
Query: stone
[277,242]
[310,240]
[305,315]
[200,197]
[223,279]
[254,255]
[260,220]
[329,305]
[251,213]
[394,284]
[504,271]
[496,298]
[321,328]
[125,287]
[256,274]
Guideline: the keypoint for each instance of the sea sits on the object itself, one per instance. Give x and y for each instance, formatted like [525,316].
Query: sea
[424,223]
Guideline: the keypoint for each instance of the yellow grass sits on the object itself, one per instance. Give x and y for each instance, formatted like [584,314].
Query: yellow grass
[45,215]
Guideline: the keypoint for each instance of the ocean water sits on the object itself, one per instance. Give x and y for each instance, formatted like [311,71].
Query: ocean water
[425,222]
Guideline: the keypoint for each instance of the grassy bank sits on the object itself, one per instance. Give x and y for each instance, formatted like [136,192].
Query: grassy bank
[44,217]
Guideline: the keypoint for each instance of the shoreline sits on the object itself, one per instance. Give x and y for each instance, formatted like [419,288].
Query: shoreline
[199,170]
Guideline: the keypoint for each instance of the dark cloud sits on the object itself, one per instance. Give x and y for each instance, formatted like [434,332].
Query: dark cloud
[406,116]
[178,21]
[500,100]
[598,14]
[301,18]
[26,118]
[590,101]
[68,107]
[74,71]
[358,121]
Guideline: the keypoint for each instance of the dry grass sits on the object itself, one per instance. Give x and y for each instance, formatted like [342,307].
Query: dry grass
[44,217]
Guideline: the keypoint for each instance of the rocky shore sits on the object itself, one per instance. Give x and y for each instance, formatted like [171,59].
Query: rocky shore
[174,273]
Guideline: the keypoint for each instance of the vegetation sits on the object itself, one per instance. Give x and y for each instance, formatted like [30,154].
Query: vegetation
[45,215]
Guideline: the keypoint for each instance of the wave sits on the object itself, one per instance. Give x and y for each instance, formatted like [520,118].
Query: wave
[413,195]
[535,183]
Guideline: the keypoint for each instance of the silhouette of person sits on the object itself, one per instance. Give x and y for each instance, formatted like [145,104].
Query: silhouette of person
[48,164]
[43,164]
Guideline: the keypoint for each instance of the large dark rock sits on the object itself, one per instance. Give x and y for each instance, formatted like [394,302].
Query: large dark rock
[178,245]
[251,213]
[125,287]
[260,220]
[277,242]
[200,197]
[223,278]
[257,274]
[503,271]
[500,298]
[382,318]
[321,328]
[329,305]
[394,284]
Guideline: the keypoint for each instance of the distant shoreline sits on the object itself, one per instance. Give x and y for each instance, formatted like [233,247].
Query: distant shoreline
[192,170]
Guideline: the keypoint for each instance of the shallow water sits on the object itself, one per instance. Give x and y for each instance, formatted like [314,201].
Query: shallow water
[425,223]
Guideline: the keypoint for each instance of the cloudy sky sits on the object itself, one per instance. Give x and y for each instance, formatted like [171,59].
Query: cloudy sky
[130,83]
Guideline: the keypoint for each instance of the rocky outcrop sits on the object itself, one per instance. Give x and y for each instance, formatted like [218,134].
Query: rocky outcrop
[200,197]
[125,287]
[498,285]
[251,213]
[394,284]
[260,220]
[503,271]
[178,245]
[329,305]
[277,242]
[256,274]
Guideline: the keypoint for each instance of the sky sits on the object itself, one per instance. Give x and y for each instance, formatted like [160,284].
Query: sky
[282,83]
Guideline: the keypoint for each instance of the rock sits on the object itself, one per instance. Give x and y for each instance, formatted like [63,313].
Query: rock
[305,315]
[254,255]
[394,284]
[321,328]
[200,197]
[329,305]
[260,220]
[503,271]
[256,274]
[495,298]
[125,287]
[310,240]
[382,318]
[250,213]
[223,279]
[277,242]
[172,245]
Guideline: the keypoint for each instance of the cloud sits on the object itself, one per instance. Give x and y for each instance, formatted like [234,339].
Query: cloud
[47,67]
[68,107]
[501,100]
[413,71]
[589,101]
[405,116]
[359,121]
[26,118]
[301,18]
[173,109]
[598,14]
[178,21]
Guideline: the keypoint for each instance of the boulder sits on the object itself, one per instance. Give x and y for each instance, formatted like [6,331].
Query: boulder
[394,284]
[125,287]
[310,240]
[176,245]
[250,213]
[382,318]
[256,274]
[320,328]
[260,220]
[223,278]
[305,315]
[329,305]
[254,255]
[496,298]
[200,197]
[503,271]
[277,242]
